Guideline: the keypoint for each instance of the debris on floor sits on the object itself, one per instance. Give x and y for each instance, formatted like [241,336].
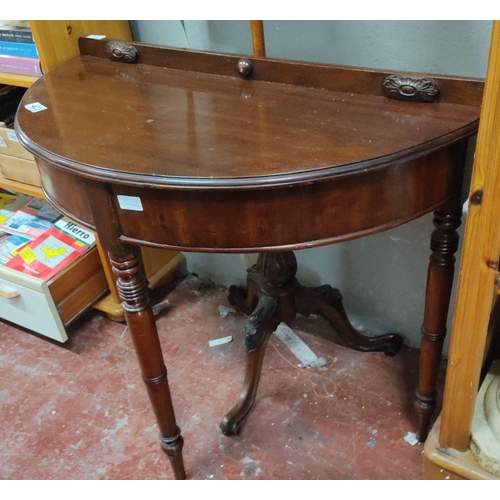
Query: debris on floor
[411,438]
[299,348]
[226,311]
[220,341]
[93,384]
[157,308]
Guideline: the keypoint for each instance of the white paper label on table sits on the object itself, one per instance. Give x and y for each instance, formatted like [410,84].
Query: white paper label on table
[35,107]
[130,203]
[3,144]
[12,136]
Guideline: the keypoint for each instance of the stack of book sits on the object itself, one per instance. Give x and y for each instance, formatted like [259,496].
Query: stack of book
[36,239]
[18,53]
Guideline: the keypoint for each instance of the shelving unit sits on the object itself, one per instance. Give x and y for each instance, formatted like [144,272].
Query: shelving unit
[477,314]
[90,280]
[17,80]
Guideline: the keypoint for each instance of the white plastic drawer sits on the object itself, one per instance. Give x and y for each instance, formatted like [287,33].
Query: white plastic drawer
[26,301]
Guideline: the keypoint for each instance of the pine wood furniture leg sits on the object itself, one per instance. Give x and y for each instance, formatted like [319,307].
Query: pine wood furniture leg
[444,244]
[258,41]
[479,268]
[274,296]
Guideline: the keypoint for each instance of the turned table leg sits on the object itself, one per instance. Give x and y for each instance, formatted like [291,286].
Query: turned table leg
[133,290]
[444,244]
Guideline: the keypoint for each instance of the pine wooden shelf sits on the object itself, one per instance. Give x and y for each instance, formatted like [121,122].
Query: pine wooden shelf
[447,463]
[17,80]
[20,187]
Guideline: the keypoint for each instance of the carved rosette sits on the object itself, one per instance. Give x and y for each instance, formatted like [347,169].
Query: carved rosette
[120,51]
[411,88]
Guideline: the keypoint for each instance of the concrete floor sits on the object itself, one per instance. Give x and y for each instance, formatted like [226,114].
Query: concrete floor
[80,410]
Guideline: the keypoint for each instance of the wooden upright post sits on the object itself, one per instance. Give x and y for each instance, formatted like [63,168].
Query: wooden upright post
[478,270]
[258,42]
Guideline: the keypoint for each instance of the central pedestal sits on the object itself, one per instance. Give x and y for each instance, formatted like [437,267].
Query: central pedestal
[273,295]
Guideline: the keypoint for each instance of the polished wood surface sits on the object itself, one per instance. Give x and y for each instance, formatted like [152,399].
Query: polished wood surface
[285,156]
[57,41]
[324,212]
[225,131]
[479,268]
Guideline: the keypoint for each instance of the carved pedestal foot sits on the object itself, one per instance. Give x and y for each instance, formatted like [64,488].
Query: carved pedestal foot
[245,299]
[275,296]
[260,326]
[327,302]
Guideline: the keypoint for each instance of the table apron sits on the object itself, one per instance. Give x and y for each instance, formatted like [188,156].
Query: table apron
[294,217]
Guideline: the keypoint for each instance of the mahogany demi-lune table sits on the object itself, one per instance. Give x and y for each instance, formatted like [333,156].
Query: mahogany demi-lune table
[205,152]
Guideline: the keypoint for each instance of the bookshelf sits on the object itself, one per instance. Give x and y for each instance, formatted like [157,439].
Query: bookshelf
[20,187]
[476,322]
[56,42]
[17,80]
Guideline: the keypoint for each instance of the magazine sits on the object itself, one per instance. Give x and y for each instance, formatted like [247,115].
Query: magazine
[48,254]
[9,244]
[9,203]
[32,219]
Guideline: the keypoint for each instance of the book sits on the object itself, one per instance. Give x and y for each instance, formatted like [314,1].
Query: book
[15,24]
[9,246]
[10,203]
[47,255]
[16,34]
[29,66]
[43,209]
[18,49]
[32,219]
[76,231]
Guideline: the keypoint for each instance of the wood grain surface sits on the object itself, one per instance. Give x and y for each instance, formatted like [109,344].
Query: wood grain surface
[200,130]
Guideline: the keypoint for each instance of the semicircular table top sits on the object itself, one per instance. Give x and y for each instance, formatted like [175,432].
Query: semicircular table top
[180,122]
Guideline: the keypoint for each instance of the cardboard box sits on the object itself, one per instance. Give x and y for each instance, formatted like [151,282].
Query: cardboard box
[18,169]
[9,145]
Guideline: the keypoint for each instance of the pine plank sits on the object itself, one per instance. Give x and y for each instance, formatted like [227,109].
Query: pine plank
[478,270]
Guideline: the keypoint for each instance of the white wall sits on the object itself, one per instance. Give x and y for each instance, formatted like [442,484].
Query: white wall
[382,277]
